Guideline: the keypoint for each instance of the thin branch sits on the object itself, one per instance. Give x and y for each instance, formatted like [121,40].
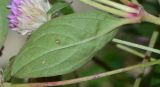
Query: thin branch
[87,78]
[150,18]
[136,45]
[106,67]
[125,2]
[152,42]
[147,58]
[132,51]
[118,5]
[137,82]
[106,8]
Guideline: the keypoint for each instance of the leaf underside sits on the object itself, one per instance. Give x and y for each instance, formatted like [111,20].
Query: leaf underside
[65,44]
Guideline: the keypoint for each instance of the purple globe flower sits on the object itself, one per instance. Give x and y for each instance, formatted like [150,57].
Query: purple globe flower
[27,15]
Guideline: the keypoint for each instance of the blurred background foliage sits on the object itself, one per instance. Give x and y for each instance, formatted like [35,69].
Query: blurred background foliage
[111,57]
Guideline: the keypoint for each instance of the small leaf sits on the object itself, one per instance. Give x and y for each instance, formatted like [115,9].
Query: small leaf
[67,10]
[3,21]
[58,6]
[65,44]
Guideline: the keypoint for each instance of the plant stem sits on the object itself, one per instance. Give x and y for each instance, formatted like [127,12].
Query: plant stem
[147,57]
[153,41]
[137,82]
[135,1]
[105,8]
[125,2]
[150,18]
[132,51]
[76,76]
[87,78]
[136,45]
[118,6]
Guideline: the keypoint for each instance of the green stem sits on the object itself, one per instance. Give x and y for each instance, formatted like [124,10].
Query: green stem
[150,18]
[147,57]
[153,41]
[105,8]
[118,6]
[132,51]
[136,2]
[137,82]
[136,45]
[87,78]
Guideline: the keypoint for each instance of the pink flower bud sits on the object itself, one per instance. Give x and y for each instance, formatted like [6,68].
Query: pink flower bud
[138,8]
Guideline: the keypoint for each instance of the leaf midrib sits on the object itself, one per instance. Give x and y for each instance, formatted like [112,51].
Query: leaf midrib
[74,44]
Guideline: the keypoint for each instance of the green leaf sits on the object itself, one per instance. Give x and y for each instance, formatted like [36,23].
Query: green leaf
[67,10]
[58,6]
[65,44]
[3,21]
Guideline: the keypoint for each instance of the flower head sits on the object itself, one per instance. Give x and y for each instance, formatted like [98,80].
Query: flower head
[27,15]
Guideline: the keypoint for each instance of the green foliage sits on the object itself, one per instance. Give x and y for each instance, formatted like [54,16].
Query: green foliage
[65,44]
[3,21]
[60,6]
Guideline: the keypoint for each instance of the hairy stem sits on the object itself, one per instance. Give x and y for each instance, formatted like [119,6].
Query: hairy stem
[87,78]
